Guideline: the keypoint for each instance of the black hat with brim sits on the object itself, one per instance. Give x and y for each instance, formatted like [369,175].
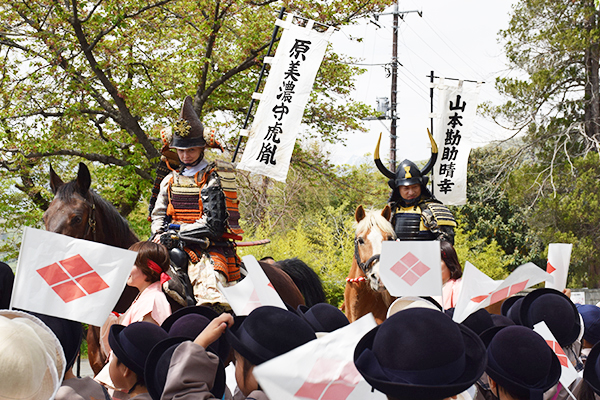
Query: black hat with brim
[423,382]
[591,372]
[556,310]
[323,317]
[131,344]
[159,361]
[268,332]
[521,361]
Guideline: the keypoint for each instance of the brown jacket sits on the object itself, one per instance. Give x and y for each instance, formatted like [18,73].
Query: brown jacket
[191,375]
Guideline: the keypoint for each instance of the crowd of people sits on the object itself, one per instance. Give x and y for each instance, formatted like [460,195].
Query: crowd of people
[418,352]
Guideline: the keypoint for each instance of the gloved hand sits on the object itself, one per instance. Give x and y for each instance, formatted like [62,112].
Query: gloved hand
[170,239]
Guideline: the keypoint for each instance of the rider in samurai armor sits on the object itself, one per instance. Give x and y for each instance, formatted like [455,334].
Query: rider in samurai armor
[195,210]
[416,214]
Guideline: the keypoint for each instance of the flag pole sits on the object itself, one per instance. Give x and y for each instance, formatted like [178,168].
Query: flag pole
[262,73]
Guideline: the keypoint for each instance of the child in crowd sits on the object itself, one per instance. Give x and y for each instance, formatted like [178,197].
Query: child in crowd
[131,346]
[521,365]
[420,354]
[264,334]
[70,334]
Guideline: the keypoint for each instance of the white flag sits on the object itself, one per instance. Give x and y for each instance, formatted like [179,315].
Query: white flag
[559,256]
[479,290]
[568,373]
[277,121]
[69,278]
[320,369]
[457,106]
[254,291]
[411,268]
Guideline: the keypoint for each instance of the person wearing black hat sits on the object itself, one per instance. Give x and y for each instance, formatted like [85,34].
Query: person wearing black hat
[131,346]
[267,332]
[191,212]
[521,365]
[416,214]
[420,354]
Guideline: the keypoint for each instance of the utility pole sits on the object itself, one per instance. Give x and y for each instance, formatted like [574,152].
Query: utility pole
[396,14]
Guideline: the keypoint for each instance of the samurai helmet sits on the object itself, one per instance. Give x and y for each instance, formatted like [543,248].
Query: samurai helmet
[407,172]
[188,131]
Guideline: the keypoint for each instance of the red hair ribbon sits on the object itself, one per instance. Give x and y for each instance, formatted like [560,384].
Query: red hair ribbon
[156,268]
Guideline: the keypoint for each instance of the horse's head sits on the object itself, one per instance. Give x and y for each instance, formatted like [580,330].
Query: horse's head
[373,227]
[71,212]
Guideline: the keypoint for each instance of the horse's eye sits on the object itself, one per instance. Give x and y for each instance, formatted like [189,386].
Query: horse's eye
[361,240]
[76,220]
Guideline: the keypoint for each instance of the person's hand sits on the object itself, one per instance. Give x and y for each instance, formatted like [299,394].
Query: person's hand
[214,330]
[567,292]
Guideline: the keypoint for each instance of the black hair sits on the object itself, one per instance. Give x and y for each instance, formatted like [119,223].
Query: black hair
[450,257]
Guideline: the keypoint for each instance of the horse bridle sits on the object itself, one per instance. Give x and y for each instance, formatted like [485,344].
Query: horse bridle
[91,225]
[364,266]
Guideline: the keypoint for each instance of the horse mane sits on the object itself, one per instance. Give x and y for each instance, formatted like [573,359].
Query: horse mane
[114,226]
[373,218]
[305,278]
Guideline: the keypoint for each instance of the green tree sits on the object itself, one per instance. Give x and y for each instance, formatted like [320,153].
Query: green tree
[96,80]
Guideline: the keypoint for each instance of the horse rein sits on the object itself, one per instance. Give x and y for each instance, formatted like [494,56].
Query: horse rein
[364,266]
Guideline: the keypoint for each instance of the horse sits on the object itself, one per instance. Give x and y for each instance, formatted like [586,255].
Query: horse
[364,291]
[81,213]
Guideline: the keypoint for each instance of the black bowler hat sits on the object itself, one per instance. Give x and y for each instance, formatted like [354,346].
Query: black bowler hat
[479,321]
[521,361]
[157,369]
[591,372]
[420,354]
[511,308]
[556,310]
[323,317]
[268,332]
[188,322]
[69,334]
[131,344]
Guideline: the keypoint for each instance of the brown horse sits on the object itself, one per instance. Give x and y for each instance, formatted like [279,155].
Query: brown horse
[78,212]
[364,291]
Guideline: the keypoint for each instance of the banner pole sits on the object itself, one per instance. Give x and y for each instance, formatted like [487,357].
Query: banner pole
[262,73]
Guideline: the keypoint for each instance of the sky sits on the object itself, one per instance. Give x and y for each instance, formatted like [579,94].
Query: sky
[455,39]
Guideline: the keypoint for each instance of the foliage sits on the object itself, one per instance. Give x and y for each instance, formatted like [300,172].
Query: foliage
[96,80]
[567,211]
[490,218]
[324,242]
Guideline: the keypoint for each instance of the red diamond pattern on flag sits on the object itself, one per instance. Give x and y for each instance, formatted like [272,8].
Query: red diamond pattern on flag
[409,268]
[562,357]
[337,389]
[72,278]
[502,293]
[549,268]
[253,302]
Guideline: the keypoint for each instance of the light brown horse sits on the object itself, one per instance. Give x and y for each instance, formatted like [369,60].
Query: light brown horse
[364,291]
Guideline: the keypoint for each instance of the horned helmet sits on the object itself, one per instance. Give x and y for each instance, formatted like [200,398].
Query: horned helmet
[407,172]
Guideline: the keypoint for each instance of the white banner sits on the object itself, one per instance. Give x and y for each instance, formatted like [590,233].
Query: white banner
[568,371]
[457,107]
[559,257]
[321,369]
[479,290]
[411,268]
[254,291]
[69,278]
[277,121]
